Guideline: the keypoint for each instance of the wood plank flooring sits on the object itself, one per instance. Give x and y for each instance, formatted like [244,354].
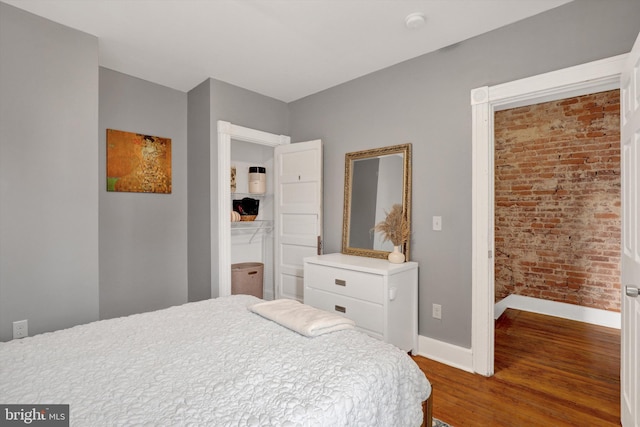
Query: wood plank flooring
[548,372]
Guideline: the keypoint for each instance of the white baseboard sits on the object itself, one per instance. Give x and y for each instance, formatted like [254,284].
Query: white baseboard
[449,354]
[594,316]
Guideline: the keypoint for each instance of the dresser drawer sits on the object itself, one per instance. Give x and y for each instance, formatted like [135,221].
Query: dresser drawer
[355,284]
[368,316]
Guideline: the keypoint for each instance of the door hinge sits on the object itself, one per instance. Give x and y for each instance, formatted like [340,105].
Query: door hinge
[319,245]
[490,254]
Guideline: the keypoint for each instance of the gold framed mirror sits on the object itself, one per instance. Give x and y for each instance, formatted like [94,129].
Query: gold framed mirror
[374,180]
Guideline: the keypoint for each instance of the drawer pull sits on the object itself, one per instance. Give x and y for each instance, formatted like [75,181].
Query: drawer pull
[340,308]
[341,282]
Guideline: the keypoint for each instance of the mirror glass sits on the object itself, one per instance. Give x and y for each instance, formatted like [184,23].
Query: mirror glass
[375,180]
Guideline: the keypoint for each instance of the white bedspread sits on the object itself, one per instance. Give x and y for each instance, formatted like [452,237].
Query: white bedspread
[213,363]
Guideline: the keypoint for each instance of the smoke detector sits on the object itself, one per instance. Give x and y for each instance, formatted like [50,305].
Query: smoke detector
[415,20]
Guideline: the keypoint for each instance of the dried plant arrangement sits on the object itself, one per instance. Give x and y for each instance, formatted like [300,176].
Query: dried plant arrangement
[395,227]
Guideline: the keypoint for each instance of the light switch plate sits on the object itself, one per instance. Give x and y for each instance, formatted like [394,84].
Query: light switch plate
[437,223]
[436,311]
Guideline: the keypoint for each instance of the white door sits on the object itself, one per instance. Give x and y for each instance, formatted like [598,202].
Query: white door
[298,213]
[630,140]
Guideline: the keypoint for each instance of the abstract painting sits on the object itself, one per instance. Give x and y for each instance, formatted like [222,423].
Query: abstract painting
[138,163]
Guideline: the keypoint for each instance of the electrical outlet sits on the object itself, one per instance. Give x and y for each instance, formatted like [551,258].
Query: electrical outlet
[436,311]
[20,329]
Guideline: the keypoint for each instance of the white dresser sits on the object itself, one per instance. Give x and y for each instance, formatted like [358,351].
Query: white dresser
[381,297]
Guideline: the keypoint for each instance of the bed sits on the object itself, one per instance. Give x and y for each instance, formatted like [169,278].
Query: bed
[217,363]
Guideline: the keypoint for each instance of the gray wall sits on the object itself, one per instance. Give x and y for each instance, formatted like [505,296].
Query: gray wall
[52,192]
[143,237]
[426,101]
[238,106]
[199,226]
[48,175]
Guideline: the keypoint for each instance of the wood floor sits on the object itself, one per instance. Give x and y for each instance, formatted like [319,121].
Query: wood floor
[548,372]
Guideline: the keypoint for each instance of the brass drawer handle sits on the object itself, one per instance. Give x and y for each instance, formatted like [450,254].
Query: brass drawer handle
[340,308]
[341,282]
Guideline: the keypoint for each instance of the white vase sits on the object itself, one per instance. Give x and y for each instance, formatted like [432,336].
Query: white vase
[396,256]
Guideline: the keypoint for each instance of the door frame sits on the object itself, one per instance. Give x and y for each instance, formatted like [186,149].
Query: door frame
[579,80]
[220,197]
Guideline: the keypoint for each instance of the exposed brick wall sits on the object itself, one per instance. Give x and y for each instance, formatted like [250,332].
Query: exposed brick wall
[557,201]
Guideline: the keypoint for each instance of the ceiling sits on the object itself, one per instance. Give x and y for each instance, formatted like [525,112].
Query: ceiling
[285,49]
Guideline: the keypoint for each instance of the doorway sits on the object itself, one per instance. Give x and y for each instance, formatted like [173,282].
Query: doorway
[221,196]
[297,206]
[557,227]
[593,77]
[557,203]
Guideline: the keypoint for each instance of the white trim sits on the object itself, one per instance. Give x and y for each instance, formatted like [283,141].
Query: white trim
[222,203]
[579,80]
[590,315]
[593,77]
[482,234]
[221,280]
[449,354]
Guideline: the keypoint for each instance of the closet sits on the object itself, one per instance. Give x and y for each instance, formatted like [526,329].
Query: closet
[252,241]
[288,227]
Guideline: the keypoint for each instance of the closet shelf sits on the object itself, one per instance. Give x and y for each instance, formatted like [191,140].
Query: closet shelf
[260,226]
[252,225]
[252,195]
